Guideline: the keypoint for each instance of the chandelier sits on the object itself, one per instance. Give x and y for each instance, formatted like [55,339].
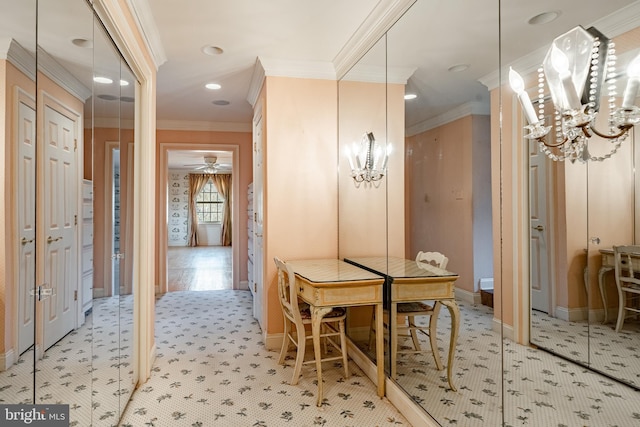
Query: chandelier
[370,159]
[576,67]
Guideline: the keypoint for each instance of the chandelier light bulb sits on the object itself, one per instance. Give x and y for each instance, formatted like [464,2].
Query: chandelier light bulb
[517,84]
[633,76]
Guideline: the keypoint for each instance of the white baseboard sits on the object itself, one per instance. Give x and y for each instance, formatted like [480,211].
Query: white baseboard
[273,342]
[506,330]
[571,314]
[244,285]
[468,297]
[7,360]
[98,293]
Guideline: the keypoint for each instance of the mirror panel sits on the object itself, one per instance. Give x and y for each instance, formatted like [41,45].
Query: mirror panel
[83,338]
[17,283]
[579,211]
[362,206]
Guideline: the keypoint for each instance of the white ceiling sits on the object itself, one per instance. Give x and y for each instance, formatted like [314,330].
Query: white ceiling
[432,36]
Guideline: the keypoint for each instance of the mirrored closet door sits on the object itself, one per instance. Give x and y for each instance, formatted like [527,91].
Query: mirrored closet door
[69,114]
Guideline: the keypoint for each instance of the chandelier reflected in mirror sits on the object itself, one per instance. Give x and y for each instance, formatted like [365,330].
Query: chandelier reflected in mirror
[368,160]
[576,67]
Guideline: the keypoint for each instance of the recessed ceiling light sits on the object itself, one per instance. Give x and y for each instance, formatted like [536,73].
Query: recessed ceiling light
[212,50]
[458,68]
[124,83]
[212,86]
[102,80]
[221,102]
[84,43]
[410,96]
[544,18]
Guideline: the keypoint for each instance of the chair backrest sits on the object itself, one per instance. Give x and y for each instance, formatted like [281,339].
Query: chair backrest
[624,273]
[287,291]
[434,258]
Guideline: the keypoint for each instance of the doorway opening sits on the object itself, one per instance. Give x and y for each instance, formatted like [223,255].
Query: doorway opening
[199,256]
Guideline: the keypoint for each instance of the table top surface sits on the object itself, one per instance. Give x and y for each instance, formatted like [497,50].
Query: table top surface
[400,268]
[331,271]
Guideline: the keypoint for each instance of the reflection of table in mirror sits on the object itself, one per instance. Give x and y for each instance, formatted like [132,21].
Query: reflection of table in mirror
[608,264]
[408,282]
[328,283]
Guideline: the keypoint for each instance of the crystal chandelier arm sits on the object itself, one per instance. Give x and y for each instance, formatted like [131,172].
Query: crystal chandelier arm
[623,130]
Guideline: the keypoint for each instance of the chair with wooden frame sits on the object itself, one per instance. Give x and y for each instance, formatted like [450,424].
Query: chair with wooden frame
[406,326]
[297,314]
[627,282]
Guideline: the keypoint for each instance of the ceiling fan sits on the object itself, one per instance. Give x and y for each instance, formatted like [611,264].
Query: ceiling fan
[211,165]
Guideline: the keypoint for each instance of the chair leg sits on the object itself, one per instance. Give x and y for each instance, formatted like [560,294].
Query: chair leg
[620,315]
[301,344]
[433,332]
[621,304]
[412,330]
[372,329]
[285,341]
[343,346]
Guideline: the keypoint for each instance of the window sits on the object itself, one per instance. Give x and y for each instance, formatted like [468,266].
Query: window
[209,204]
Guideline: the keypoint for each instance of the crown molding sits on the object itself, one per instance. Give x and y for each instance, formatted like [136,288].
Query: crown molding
[257,80]
[613,25]
[378,74]
[377,23]
[286,68]
[147,26]
[300,69]
[203,126]
[56,72]
[464,110]
[20,57]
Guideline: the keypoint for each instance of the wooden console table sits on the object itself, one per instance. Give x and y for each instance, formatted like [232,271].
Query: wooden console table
[408,282]
[328,283]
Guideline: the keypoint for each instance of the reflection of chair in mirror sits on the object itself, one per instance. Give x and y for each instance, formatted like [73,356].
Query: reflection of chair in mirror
[297,314]
[406,325]
[627,282]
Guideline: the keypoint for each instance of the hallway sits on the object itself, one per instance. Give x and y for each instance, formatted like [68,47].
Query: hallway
[199,268]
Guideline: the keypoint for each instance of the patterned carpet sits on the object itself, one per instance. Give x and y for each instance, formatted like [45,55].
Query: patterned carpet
[540,389]
[212,370]
[613,353]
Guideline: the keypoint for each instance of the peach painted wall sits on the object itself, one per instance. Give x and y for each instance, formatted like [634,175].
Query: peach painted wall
[300,182]
[446,169]
[197,140]
[10,79]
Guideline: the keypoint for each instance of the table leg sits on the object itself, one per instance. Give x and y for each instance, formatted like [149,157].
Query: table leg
[455,326]
[317,313]
[393,338]
[603,294]
[380,348]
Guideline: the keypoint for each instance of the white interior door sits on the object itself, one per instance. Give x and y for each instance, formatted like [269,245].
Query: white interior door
[539,244]
[60,221]
[258,298]
[26,215]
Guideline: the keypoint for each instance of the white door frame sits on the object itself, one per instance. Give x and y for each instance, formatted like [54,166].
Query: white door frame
[163,172]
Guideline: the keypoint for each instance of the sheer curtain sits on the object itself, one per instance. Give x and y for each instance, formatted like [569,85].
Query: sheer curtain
[223,184]
[196,183]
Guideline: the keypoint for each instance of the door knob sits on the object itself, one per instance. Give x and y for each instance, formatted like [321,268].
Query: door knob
[51,239]
[24,240]
[538,227]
